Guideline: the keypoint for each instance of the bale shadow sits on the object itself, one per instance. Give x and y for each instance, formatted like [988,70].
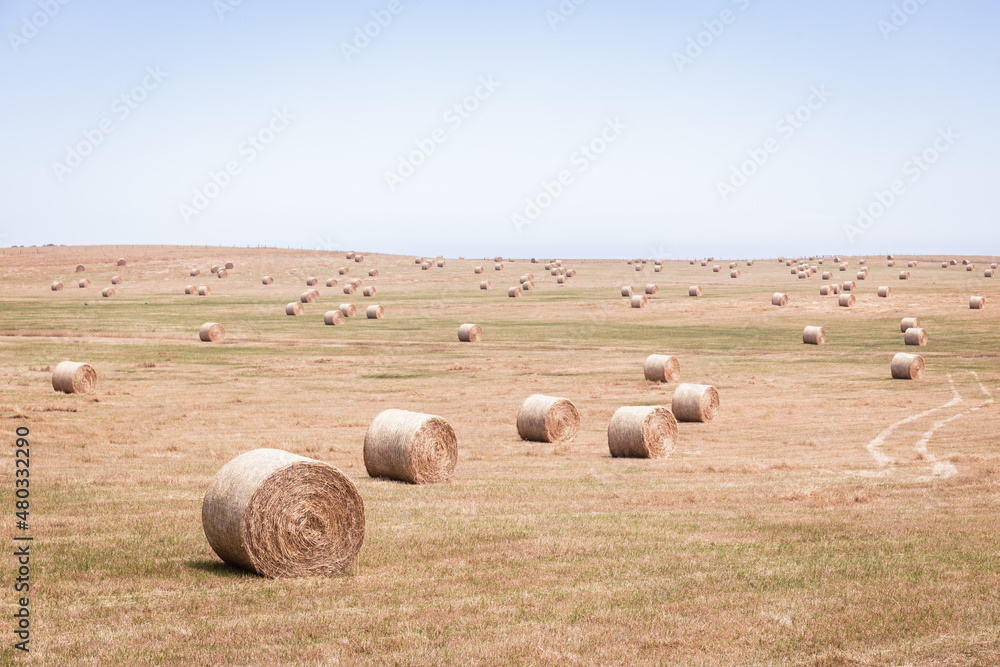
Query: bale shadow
[220,569]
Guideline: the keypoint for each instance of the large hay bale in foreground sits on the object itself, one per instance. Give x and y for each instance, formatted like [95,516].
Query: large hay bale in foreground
[333,318]
[547,419]
[846,300]
[885,291]
[470,333]
[57,286]
[348,309]
[375,312]
[204,290]
[639,301]
[211,332]
[977,302]
[908,323]
[814,336]
[267,280]
[694,290]
[293,308]
[907,367]
[283,515]
[485,284]
[695,403]
[662,368]
[410,447]
[71,377]
[779,299]
[645,432]
[915,336]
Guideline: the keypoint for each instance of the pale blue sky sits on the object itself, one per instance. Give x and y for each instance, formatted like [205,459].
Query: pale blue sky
[330,126]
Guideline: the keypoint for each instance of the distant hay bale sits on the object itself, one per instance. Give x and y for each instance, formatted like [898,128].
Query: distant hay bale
[369,291]
[892,264]
[694,290]
[223,273]
[294,308]
[803,275]
[348,309]
[555,271]
[498,267]
[788,262]
[908,323]
[995,266]
[204,290]
[835,288]
[825,290]
[695,403]
[640,267]
[534,260]
[885,291]
[309,296]
[888,256]
[121,261]
[977,302]
[311,280]
[359,258]
[794,271]
[440,263]
[331,282]
[644,432]
[989,273]
[282,515]
[863,262]
[907,367]
[514,292]
[952,262]
[108,291]
[965,262]
[561,280]
[229,265]
[267,280]
[211,332]
[116,280]
[528,285]
[349,256]
[627,291]
[410,447]
[779,299]
[470,333]
[847,300]
[80,268]
[843,267]
[750,262]
[849,286]
[814,336]
[716,268]
[639,301]
[71,377]
[478,269]
[350,288]
[732,265]
[343,271]
[57,286]
[704,263]
[904,275]
[548,267]
[862,275]
[827,275]
[911,264]
[652,289]
[693,262]
[191,289]
[426,266]
[195,272]
[547,419]
[375,312]
[418,260]
[215,269]
[570,273]
[734,273]
[333,318]
[85,282]
[498,259]
[661,368]
[970,267]
[658,268]
[485,284]
[915,336]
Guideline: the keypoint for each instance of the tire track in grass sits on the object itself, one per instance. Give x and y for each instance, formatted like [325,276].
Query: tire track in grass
[945,469]
[874,447]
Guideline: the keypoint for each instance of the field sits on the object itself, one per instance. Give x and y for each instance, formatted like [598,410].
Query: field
[829,516]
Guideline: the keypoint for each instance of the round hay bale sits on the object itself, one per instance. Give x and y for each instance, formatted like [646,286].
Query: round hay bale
[528,286]
[695,403]
[561,280]
[485,284]
[85,282]
[547,419]
[885,291]
[108,291]
[191,289]
[267,280]
[215,269]
[426,266]
[862,275]
[732,265]
[222,273]
[229,266]
[333,318]
[348,309]
[440,263]
[892,264]
[80,268]
[570,273]
[693,262]
[116,280]
[639,301]
[716,269]
[350,288]
[211,332]
[309,296]
[977,302]
[658,268]
[311,280]
[470,333]
[121,261]
[195,272]
[835,289]
[57,286]
[843,267]
[904,275]
[704,263]
[915,336]
[694,290]
[640,267]
[827,275]
[643,432]
[534,260]
[888,256]
[204,290]
[995,266]
[825,290]
[498,267]
[847,300]
[911,264]
[970,267]
[356,282]
[944,265]
[989,273]
[418,260]
[863,262]
[283,515]
[803,275]
[779,299]
[369,291]
[652,290]
[814,336]
[343,271]
[907,367]
[478,269]
[410,447]
[627,291]
[498,259]
[908,323]
[750,262]
[71,377]
[734,273]
[661,368]
[514,292]
[293,308]
[375,312]
[849,286]
[331,282]
[359,258]
[349,256]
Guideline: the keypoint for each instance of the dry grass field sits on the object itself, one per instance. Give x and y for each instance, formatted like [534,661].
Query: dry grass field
[829,516]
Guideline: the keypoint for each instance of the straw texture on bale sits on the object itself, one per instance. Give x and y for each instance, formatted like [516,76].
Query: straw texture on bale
[331,282]
[661,368]
[333,318]
[71,377]
[814,336]
[350,288]
[907,367]
[639,301]
[627,291]
[528,285]
[375,312]
[977,302]
[904,275]
[694,290]
[561,280]
[56,286]
[779,299]
[514,292]
[652,289]
[369,291]
[485,284]
[80,268]
[885,291]
[190,289]
[204,290]
[348,309]
[410,447]
[108,291]
[309,296]
[570,273]
[908,323]
[547,419]
[915,336]
[847,300]
[293,308]
[211,332]
[267,280]
[283,515]
[85,282]
[470,333]
[644,432]
[310,281]
[695,403]
[116,280]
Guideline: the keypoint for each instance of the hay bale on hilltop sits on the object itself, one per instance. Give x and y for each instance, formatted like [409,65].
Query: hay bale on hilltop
[410,447]
[350,288]
[547,419]
[645,432]
[695,403]
[211,332]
